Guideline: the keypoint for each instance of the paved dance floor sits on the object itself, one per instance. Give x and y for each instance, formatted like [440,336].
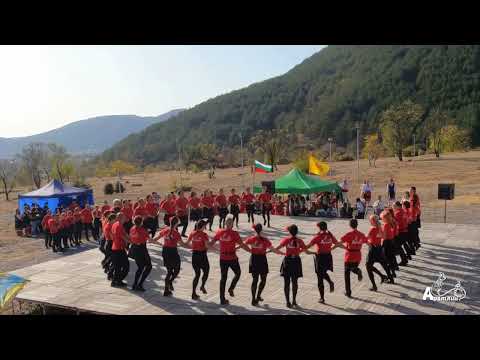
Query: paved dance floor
[76,280]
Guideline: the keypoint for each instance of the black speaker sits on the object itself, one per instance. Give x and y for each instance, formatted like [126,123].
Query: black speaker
[270,185]
[446,191]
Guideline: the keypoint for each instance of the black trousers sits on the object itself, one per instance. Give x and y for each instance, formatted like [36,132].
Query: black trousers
[321,276]
[57,241]
[151,224]
[121,266]
[371,269]
[405,244]
[96,228]
[48,239]
[397,242]
[388,249]
[87,227]
[263,281]
[224,266]
[78,232]
[266,209]
[197,269]
[222,214]
[184,223]
[235,210]
[65,237]
[250,211]
[144,267]
[287,280]
[411,237]
[350,267]
[209,214]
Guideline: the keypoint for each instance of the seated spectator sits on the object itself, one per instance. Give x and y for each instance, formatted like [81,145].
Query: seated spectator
[360,207]
[379,206]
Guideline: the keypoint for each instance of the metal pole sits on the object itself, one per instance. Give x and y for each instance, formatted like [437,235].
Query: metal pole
[358,150]
[445,214]
[241,150]
[414,152]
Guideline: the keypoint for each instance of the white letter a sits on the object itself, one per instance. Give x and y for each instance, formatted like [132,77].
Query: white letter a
[428,294]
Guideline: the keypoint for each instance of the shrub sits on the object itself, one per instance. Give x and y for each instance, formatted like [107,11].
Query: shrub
[119,188]
[108,189]
[344,157]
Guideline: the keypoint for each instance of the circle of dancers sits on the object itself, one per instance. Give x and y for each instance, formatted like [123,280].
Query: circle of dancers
[127,228]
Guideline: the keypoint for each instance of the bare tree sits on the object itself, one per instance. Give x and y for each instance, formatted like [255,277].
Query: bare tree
[58,157]
[8,175]
[34,157]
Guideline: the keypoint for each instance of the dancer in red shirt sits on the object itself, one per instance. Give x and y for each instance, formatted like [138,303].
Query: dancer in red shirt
[353,241]
[48,235]
[54,227]
[258,266]
[194,205]
[207,202]
[325,243]
[265,199]
[171,258]
[78,226]
[97,215]
[376,253]
[107,263]
[388,234]
[291,268]
[249,200]
[139,252]
[221,202]
[401,217]
[168,207]
[181,207]
[228,239]
[234,202]
[121,266]
[410,226]
[87,220]
[199,242]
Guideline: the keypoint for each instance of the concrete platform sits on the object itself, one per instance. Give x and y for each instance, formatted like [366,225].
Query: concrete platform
[77,282]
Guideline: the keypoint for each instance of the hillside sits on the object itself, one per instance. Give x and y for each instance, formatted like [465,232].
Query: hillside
[322,97]
[91,136]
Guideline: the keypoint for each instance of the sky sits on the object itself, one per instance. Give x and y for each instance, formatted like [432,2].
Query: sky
[45,87]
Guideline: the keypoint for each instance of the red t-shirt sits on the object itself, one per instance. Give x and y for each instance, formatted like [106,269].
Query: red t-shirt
[280,208]
[65,223]
[140,211]
[258,244]
[170,240]
[181,206]
[265,198]
[128,212]
[168,206]
[107,230]
[199,240]
[194,202]
[374,237]
[207,201]
[105,208]
[388,232]
[248,198]
[401,219]
[77,217]
[139,235]
[234,199]
[221,200]
[53,226]
[151,209]
[45,220]
[97,214]
[293,245]
[353,240]
[86,216]
[324,241]
[228,239]
[118,233]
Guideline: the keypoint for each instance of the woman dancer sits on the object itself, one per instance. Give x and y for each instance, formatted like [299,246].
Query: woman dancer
[171,258]
[249,200]
[194,204]
[207,202]
[265,199]
[139,252]
[258,265]
[234,202]
[221,202]
[388,233]
[325,243]
[291,268]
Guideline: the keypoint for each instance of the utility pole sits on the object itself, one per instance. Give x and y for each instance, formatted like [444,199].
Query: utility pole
[330,157]
[241,151]
[357,126]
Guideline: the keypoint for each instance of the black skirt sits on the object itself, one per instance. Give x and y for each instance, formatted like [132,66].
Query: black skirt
[258,264]
[375,254]
[138,251]
[397,245]
[291,266]
[222,212]
[171,259]
[234,209]
[195,214]
[200,260]
[323,263]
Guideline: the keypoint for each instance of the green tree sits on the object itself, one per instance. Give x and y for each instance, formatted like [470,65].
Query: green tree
[435,122]
[398,121]
[454,139]
[372,149]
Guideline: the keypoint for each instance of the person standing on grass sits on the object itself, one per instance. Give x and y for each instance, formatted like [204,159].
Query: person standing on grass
[352,243]
[234,202]
[291,268]
[258,265]
[391,191]
[171,258]
[199,242]
[139,252]
[376,253]
[121,266]
[325,242]
[229,239]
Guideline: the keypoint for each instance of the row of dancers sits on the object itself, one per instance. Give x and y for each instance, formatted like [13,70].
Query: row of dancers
[394,233]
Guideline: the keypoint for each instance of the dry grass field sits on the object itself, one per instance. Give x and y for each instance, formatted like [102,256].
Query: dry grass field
[425,172]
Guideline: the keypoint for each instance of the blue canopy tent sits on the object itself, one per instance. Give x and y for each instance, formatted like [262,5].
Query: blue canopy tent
[56,194]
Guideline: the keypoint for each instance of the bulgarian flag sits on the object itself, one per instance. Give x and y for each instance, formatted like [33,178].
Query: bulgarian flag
[262,168]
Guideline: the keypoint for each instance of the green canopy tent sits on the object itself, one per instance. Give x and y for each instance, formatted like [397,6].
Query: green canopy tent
[297,182]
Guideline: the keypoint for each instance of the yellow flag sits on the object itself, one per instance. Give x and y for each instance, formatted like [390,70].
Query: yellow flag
[317,167]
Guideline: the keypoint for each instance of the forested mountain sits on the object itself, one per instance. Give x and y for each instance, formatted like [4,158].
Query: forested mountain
[90,136]
[322,97]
